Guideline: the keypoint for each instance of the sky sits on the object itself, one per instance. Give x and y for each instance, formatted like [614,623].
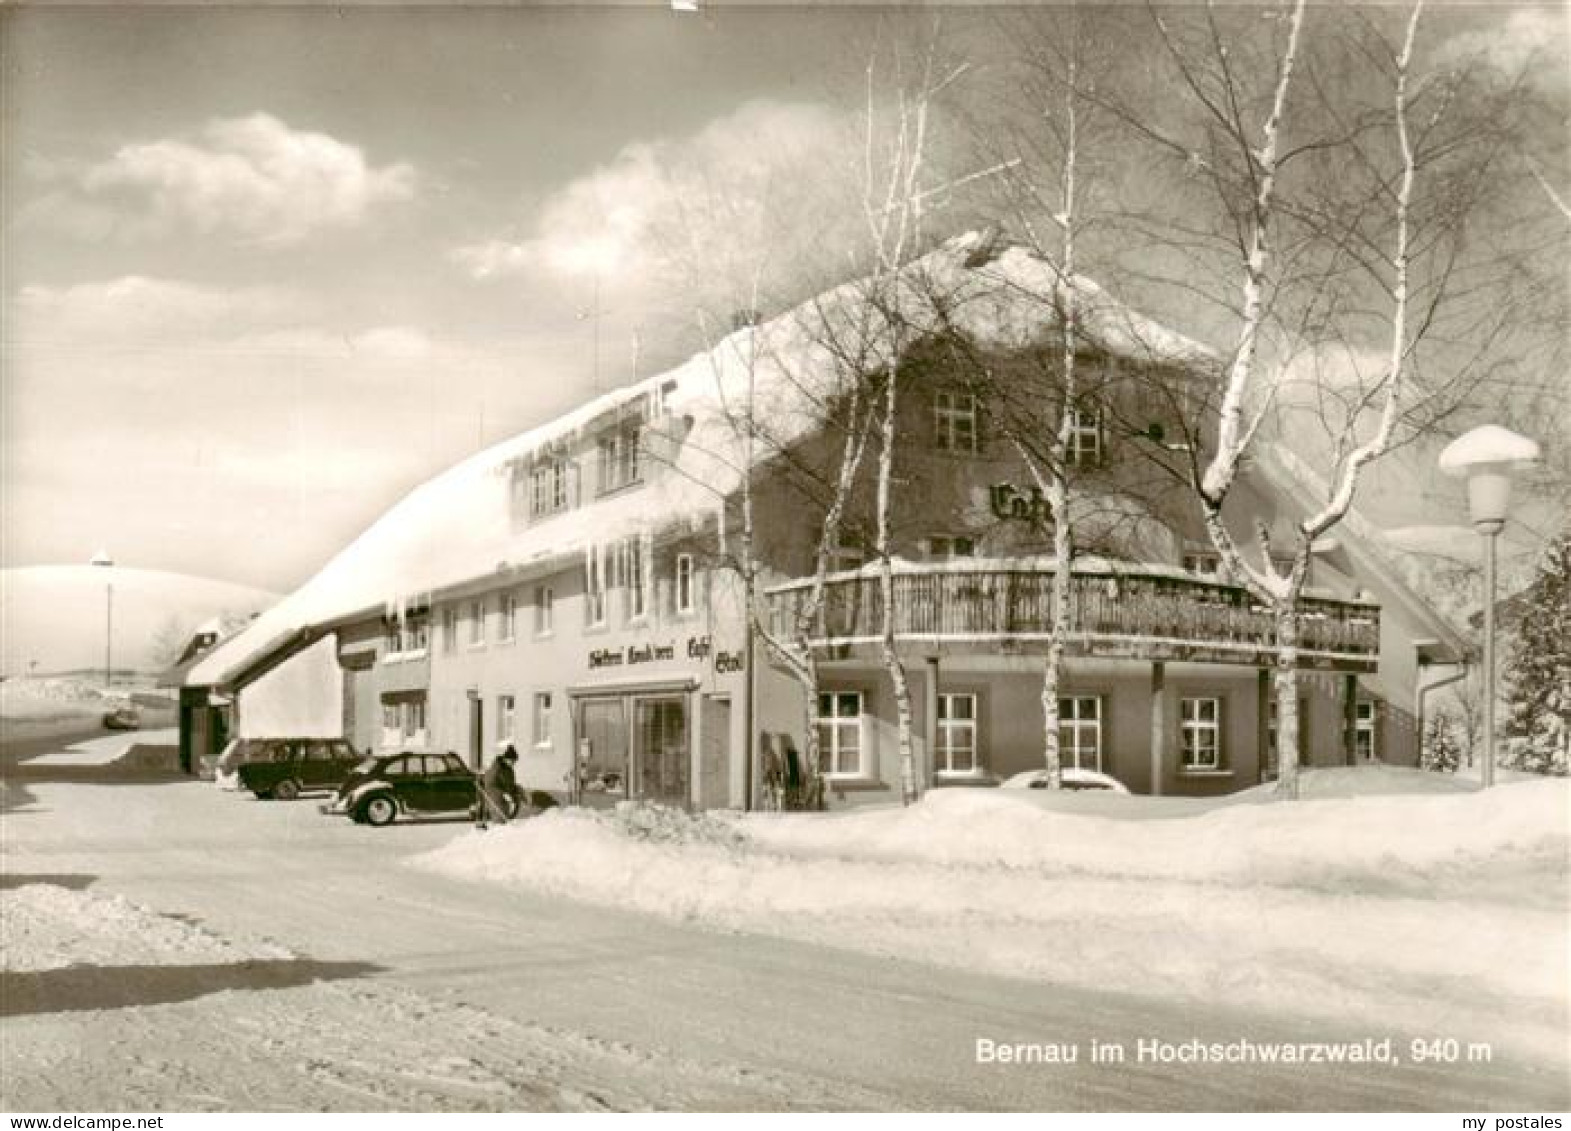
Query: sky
[264,270]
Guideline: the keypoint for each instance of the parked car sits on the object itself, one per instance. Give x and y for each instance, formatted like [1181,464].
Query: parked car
[385,786]
[1070,777]
[123,716]
[283,768]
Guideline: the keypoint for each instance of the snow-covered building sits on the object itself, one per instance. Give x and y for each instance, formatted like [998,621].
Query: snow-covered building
[572,590]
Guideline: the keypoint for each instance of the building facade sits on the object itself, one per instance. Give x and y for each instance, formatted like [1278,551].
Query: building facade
[576,593]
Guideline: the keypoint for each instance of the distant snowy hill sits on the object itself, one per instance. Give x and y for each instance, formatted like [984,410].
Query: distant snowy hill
[54,615]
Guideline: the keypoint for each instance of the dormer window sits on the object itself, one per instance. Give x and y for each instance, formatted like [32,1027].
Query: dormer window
[618,458]
[955,422]
[1085,438]
[548,487]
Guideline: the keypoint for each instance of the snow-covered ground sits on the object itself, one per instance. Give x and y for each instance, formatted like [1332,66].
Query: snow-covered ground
[1384,894]
[214,1023]
[170,946]
[107,749]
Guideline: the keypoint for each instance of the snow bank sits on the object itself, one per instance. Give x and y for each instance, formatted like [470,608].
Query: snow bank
[49,699]
[1364,908]
[108,749]
[48,927]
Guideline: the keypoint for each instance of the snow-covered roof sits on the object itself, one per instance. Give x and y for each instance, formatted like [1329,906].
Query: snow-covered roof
[460,526]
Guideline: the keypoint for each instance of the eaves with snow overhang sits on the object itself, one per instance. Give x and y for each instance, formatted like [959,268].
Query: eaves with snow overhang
[458,530]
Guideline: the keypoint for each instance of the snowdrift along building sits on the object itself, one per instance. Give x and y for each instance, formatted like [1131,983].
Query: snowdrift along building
[574,589]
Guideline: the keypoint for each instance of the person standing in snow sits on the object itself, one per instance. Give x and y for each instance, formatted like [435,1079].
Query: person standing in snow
[498,785]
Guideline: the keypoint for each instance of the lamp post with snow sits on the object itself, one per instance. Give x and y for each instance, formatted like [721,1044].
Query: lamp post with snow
[1486,457]
[103,559]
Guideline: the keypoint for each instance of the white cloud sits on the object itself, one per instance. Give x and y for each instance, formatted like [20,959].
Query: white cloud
[136,307]
[717,198]
[252,179]
[1527,36]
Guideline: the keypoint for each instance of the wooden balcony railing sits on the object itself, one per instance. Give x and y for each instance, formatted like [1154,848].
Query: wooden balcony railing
[942,603]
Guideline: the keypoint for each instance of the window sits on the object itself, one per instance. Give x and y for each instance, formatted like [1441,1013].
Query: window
[542,719]
[414,721]
[634,577]
[1203,563]
[1080,732]
[1200,734]
[955,422]
[392,640]
[1085,438]
[407,636]
[548,488]
[684,583]
[508,624]
[957,745]
[843,558]
[506,709]
[545,610]
[618,456]
[392,725]
[449,629]
[1271,762]
[476,623]
[594,589]
[1366,713]
[943,547]
[840,733]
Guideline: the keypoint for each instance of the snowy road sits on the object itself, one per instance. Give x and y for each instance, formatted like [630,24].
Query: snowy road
[328,977]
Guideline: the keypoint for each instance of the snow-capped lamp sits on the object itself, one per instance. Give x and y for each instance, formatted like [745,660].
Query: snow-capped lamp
[1487,456]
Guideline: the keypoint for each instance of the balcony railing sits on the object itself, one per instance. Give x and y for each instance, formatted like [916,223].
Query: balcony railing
[1110,611]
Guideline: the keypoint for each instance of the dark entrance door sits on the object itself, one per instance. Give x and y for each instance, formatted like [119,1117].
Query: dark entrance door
[714,782]
[476,732]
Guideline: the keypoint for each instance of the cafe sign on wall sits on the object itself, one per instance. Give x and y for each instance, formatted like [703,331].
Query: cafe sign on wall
[698,648]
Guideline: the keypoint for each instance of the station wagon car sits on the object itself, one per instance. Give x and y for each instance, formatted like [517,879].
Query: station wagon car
[283,768]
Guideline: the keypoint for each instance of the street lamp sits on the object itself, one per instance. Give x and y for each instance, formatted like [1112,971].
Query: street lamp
[1486,457]
[102,558]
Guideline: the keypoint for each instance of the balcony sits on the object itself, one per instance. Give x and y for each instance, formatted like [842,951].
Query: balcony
[1135,613]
